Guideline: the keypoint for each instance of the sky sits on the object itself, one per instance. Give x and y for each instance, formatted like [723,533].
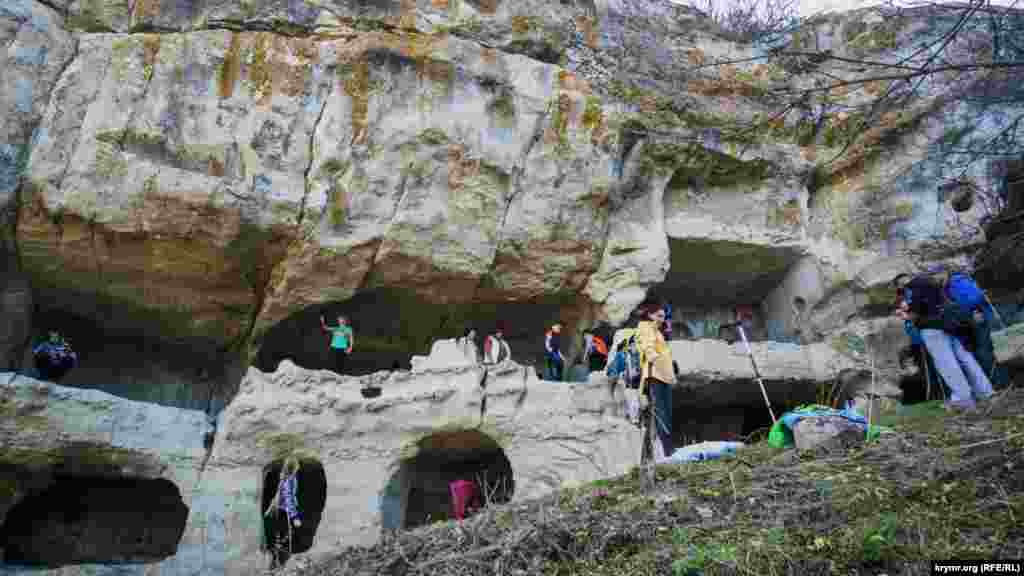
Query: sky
[811,7]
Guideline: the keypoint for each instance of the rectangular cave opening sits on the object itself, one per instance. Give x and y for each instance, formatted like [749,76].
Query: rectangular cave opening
[56,519]
[391,325]
[711,282]
[127,357]
[733,409]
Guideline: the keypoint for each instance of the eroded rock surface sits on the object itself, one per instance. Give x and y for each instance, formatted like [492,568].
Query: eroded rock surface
[250,161]
[54,434]
[552,435]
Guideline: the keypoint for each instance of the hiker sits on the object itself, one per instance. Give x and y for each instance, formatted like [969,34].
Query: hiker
[283,512]
[745,317]
[54,357]
[496,349]
[465,498]
[595,351]
[657,374]
[974,313]
[468,346]
[926,309]
[666,327]
[554,362]
[342,339]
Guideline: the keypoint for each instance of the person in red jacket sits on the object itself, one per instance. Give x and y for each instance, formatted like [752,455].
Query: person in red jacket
[496,349]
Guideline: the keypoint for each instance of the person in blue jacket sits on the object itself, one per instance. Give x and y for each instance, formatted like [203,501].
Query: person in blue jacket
[924,307]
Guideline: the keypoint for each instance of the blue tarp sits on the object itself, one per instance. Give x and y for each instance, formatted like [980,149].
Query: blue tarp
[791,418]
[703,451]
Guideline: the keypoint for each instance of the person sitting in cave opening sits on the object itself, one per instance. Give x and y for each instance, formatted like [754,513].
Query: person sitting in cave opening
[342,339]
[54,357]
[554,362]
[283,513]
[496,349]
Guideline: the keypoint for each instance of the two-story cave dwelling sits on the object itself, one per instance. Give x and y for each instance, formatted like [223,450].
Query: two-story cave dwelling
[187,187]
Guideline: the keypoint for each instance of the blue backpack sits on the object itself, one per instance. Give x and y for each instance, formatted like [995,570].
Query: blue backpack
[962,290]
[626,362]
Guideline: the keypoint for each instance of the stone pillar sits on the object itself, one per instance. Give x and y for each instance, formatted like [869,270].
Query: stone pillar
[15,320]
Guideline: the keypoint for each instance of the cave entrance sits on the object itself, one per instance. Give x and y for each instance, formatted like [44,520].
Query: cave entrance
[392,325]
[731,410]
[279,540]
[421,490]
[708,279]
[132,360]
[95,520]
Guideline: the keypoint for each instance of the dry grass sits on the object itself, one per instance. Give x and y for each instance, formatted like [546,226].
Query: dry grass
[934,486]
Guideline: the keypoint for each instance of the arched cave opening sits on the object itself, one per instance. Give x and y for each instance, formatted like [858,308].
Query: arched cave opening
[421,490]
[94,520]
[707,280]
[311,497]
[132,358]
[392,325]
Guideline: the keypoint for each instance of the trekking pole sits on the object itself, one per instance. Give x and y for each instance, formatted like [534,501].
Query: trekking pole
[750,353]
[871,399]
[995,310]
[927,377]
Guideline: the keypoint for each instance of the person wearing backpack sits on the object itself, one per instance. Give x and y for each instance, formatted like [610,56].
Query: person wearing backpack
[972,314]
[342,339]
[657,373]
[927,310]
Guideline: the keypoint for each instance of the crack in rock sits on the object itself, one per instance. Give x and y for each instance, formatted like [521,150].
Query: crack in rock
[309,168]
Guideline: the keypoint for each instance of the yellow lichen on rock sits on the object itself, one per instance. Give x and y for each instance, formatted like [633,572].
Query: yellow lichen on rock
[150,50]
[144,11]
[522,24]
[259,71]
[589,30]
[231,67]
[355,81]
[695,56]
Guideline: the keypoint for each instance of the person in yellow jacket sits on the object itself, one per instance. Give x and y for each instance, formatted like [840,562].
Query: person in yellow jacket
[656,371]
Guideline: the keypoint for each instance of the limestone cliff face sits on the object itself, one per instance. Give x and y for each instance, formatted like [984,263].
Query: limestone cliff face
[215,168]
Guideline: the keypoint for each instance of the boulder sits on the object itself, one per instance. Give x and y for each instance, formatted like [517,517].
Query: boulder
[826,432]
[1009,345]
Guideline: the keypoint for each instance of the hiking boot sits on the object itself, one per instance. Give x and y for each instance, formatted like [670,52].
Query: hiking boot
[961,407]
[987,403]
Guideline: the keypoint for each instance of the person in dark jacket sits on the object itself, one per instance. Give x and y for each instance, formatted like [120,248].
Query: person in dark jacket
[283,513]
[925,309]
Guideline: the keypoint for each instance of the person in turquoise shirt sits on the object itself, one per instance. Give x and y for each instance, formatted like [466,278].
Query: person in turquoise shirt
[342,339]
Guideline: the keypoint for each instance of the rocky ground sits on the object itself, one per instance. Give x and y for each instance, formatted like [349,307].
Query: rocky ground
[932,486]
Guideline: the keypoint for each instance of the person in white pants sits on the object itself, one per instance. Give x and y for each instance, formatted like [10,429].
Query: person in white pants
[967,382]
